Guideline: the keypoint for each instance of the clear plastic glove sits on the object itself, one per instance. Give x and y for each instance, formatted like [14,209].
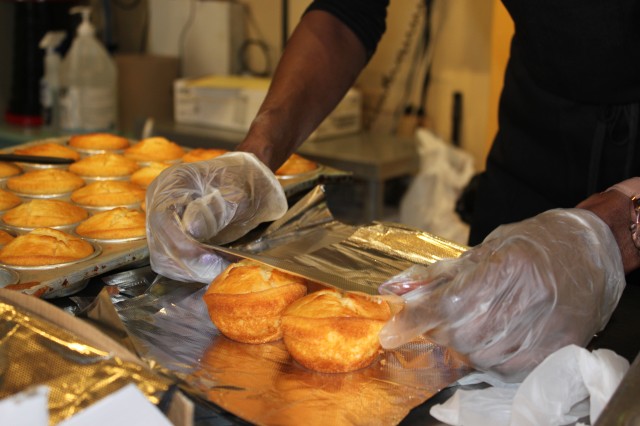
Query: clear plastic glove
[215,201]
[529,289]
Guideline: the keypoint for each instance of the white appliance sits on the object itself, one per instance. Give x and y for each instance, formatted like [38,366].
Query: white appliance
[231,102]
[206,35]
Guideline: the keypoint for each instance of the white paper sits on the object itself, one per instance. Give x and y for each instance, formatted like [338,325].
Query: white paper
[127,406]
[27,408]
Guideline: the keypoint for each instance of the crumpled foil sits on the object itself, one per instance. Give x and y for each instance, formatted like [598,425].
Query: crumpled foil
[261,383]
[35,351]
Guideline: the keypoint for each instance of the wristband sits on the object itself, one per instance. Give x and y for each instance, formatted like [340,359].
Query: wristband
[631,188]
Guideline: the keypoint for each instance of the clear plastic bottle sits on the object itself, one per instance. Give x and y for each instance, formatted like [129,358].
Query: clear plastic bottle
[88,82]
[50,82]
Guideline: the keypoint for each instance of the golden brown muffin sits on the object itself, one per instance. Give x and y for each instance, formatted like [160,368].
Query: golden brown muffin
[113,224]
[44,246]
[296,165]
[8,200]
[334,332]
[108,193]
[201,154]
[98,141]
[5,238]
[104,165]
[45,181]
[9,169]
[155,149]
[43,213]
[246,300]
[146,175]
[49,149]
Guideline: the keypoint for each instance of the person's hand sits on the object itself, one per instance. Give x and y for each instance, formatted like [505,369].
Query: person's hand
[215,201]
[529,289]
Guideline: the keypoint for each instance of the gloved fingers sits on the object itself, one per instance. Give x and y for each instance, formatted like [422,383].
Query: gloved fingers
[174,254]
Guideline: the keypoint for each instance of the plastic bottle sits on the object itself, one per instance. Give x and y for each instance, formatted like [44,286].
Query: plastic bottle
[88,77]
[50,82]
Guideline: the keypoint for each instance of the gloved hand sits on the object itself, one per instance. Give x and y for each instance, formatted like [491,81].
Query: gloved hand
[215,201]
[529,289]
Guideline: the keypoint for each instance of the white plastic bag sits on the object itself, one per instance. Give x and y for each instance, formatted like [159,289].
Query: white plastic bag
[429,203]
[569,384]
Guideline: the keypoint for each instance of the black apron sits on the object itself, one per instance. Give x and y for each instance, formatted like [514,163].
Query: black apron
[568,113]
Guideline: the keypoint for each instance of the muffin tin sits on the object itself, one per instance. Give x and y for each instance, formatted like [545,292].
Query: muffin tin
[65,279]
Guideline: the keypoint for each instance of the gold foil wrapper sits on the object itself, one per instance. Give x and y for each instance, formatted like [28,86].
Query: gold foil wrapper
[34,350]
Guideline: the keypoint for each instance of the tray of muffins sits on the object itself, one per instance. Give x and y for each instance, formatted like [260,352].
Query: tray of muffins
[75,209]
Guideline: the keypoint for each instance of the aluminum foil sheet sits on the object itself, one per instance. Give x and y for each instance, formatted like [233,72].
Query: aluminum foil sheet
[35,350]
[261,384]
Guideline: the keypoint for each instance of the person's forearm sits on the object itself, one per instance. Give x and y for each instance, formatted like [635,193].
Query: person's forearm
[321,61]
[614,208]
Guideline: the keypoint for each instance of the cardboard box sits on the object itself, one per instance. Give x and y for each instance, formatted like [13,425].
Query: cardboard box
[231,102]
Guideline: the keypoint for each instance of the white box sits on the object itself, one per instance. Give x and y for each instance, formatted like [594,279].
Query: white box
[232,102]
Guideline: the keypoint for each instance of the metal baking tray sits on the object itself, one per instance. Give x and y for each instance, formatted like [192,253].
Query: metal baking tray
[64,280]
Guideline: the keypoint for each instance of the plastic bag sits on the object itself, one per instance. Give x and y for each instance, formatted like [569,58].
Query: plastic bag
[429,203]
[530,288]
[568,385]
[215,201]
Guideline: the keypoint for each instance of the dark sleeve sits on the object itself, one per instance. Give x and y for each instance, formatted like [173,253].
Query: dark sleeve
[366,18]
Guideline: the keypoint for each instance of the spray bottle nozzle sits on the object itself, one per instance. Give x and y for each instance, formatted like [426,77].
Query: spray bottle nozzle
[85,27]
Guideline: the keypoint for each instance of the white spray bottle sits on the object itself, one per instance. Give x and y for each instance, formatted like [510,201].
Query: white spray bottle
[88,77]
[50,82]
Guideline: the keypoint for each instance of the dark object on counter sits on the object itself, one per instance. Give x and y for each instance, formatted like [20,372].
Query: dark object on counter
[35,159]
[32,20]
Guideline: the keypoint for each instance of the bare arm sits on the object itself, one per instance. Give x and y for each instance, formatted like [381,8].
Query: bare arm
[321,61]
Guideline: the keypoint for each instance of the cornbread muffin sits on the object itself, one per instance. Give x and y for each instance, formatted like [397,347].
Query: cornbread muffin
[155,149]
[113,224]
[108,193]
[201,154]
[5,238]
[334,332]
[104,165]
[43,213]
[9,169]
[44,246]
[8,200]
[246,300]
[45,181]
[49,149]
[296,165]
[98,141]
[146,175]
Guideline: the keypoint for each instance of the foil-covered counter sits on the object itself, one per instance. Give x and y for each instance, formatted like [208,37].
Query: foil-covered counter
[261,383]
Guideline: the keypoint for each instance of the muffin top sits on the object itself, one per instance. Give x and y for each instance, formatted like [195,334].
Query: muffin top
[104,165]
[154,149]
[45,181]
[98,141]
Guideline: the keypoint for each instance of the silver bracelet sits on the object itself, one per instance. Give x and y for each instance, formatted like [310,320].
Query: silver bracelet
[635,221]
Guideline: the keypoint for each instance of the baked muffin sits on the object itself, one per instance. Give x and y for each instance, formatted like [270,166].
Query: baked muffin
[246,300]
[104,165]
[44,213]
[296,165]
[113,224]
[334,332]
[44,246]
[146,175]
[49,149]
[98,141]
[5,238]
[154,149]
[9,169]
[45,182]
[201,154]
[8,200]
[108,193]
